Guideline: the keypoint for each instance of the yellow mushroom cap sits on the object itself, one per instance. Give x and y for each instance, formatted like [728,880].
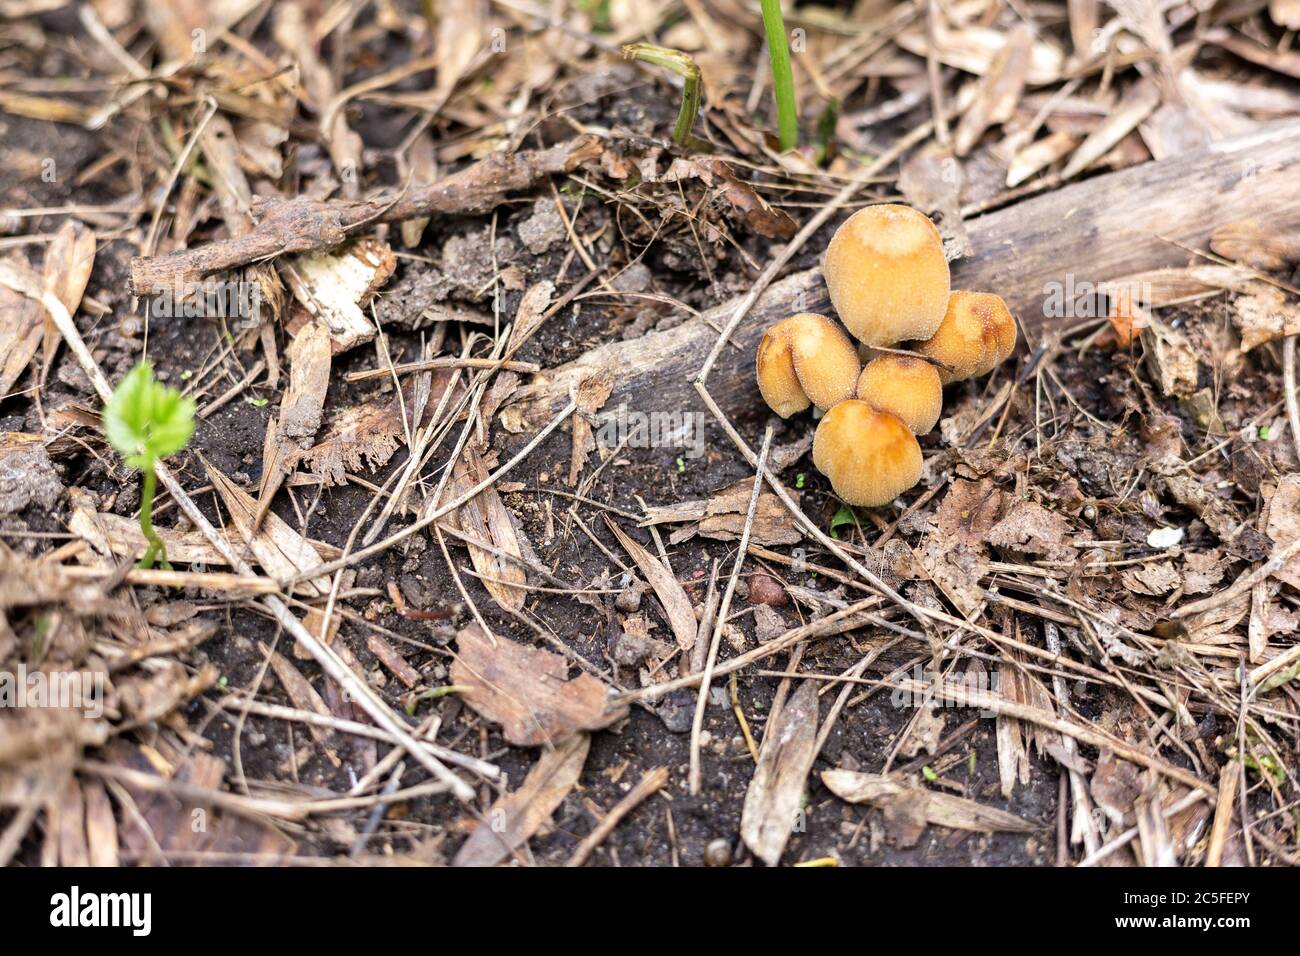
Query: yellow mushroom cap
[887,274]
[976,335]
[905,386]
[805,360]
[870,457]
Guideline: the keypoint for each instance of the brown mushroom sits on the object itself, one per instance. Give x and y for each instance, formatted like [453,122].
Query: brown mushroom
[905,386]
[887,274]
[870,457]
[977,334]
[805,360]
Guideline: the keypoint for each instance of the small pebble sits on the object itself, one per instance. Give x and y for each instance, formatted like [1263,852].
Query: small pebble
[765,589]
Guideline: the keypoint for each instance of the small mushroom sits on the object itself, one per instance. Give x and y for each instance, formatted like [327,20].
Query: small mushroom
[977,334]
[805,360]
[887,274]
[905,386]
[870,457]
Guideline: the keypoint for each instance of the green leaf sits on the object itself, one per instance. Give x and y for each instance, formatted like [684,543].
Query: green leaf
[842,517]
[146,420]
[929,774]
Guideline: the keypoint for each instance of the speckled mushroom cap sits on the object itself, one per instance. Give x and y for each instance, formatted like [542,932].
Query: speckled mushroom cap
[870,457]
[887,274]
[977,334]
[905,386]
[805,360]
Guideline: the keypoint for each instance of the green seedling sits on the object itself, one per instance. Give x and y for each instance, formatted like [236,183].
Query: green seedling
[674,61]
[147,421]
[778,52]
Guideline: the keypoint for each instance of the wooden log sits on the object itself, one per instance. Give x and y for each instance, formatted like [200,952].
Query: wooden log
[1094,231]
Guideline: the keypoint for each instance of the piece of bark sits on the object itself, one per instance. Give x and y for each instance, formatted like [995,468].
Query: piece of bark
[723,517]
[526,690]
[517,816]
[1104,227]
[772,801]
[286,226]
[333,285]
[293,430]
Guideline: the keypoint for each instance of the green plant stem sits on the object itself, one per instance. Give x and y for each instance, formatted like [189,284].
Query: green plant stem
[778,52]
[156,546]
[675,61]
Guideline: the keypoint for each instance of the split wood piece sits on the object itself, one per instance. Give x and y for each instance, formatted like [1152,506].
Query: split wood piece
[1094,231]
[305,225]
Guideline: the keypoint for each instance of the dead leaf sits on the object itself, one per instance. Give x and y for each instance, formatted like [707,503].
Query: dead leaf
[758,215]
[1032,529]
[533,306]
[280,550]
[677,606]
[515,817]
[999,91]
[904,802]
[68,264]
[969,511]
[772,801]
[525,690]
[1283,525]
[1156,578]
[168,823]
[485,518]
[21,326]
[1265,314]
[1123,119]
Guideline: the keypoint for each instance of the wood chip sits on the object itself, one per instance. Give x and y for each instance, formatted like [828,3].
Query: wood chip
[332,286]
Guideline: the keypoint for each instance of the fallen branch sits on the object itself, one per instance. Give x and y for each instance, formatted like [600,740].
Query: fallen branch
[304,225]
[1032,254]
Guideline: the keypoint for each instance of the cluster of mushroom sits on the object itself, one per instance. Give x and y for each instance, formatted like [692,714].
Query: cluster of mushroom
[888,280]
